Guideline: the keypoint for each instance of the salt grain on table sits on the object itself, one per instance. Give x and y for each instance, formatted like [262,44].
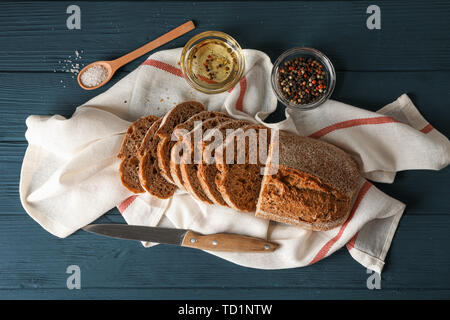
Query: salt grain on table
[94,76]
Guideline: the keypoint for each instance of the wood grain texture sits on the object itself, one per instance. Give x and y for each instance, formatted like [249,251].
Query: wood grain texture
[226,242]
[412,35]
[39,261]
[410,54]
[144,293]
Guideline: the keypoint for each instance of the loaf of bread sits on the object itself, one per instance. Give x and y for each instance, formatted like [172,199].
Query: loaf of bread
[302,181]
[149,172]
[313,185]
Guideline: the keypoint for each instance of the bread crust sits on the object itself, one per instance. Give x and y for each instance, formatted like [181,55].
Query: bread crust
[314,184]
[128,169]
[175,171]
[149,172]
[163,146]
[177,115]
[134,135]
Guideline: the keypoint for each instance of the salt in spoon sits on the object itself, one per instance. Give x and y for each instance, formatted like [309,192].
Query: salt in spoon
[112,66]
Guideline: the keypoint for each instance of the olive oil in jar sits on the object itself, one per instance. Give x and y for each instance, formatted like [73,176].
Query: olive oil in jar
[212,62]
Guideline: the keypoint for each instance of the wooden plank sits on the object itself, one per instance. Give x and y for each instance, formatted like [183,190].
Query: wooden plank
[50,93]
[34,39]
[423,192]
[34,36]
[32,259]
[220,293]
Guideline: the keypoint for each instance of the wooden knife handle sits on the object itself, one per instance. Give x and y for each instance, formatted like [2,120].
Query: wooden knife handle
[227,242]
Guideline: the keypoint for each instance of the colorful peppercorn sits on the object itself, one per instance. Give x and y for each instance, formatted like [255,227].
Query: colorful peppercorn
[302,80]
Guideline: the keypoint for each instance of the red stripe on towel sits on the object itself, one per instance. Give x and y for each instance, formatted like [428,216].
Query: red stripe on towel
[351,123]
[124,205]
[324,250]
[177,72]
[163,66]
[240,100]
[427,128]
[351,244]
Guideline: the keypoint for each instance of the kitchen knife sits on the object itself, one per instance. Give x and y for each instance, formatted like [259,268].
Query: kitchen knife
[183,237]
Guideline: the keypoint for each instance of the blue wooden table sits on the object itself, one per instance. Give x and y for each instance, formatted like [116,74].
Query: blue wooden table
[409,54]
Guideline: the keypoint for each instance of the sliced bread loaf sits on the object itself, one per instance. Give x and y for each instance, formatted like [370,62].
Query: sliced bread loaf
[207,172]
[189,164]
[149,173]
[239,182]
[128,169]
[313,186]
[165,146]
[177,115]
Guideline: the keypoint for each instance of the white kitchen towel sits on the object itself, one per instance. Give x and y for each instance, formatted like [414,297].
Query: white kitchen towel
[70,174]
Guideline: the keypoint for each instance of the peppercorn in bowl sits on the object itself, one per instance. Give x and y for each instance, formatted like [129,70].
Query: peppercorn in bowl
[303,78]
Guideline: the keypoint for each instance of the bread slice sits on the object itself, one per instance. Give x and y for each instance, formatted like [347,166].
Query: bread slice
[207,172]
[178,114]
[189,165]
[313,186]
[239,182]
[180,130]
[149,173]
[128,169]
[134,136]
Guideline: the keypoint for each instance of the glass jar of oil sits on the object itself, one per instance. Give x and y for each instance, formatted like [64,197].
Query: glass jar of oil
[212,62]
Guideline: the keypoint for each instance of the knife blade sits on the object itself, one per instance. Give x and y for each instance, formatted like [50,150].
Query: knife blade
[184,237]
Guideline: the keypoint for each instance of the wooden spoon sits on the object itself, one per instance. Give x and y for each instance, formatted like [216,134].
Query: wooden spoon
[112,66]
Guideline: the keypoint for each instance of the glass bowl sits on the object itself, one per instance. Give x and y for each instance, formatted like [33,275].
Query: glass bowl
[192,71]
[330,76]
